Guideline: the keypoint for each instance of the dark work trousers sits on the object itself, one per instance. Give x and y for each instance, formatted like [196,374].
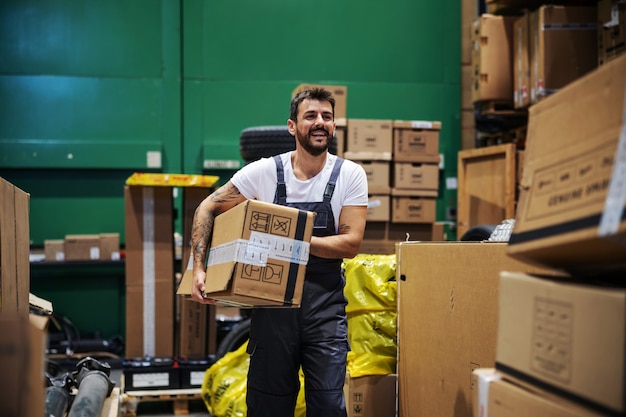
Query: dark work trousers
[314,336]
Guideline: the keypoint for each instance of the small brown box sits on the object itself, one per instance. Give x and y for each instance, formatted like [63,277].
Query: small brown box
[82,247]
[416,176]
[110,246]
[378,176]
[54,249]
[416,209]
[378,208]
[369,140]
[416,141]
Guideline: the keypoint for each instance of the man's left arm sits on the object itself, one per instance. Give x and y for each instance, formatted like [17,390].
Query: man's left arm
[347,243]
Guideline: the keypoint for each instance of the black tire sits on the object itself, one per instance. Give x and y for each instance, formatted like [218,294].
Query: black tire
[266,141]
[233,340]
[478,233]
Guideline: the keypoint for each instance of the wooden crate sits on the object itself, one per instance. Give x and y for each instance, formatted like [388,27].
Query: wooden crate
[486,186]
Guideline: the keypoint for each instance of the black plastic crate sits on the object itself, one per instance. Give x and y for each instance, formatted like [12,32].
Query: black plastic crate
[151,374]
[192,372]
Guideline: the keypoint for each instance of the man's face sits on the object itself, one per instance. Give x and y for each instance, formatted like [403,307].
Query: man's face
[315,127]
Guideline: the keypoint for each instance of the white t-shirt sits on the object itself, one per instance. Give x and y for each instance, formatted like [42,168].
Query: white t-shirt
[257,181]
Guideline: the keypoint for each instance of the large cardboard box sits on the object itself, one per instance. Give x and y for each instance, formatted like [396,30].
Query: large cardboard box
[447,322]
[340,93]
[492,58]
[563,47]
[570,212]
[258,256]
[14,249]
[23,341]
[495,396]
[371,396]
[150,279]
[416,141]
[369,139]
[565,336]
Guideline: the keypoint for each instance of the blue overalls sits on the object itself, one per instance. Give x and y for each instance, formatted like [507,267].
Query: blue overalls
[314,336]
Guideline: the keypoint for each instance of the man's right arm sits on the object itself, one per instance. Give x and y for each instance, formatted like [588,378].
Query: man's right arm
[222,199]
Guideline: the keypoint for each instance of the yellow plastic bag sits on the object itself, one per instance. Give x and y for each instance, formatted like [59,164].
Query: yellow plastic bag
[370,283]
[225,384]
[371,291]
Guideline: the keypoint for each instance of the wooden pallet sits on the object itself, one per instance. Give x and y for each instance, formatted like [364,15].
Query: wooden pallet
[179,397]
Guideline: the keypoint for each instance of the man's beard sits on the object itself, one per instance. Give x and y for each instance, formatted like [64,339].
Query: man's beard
[309,146]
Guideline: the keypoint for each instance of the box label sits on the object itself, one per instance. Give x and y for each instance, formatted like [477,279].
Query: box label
[568,185]
[258,249]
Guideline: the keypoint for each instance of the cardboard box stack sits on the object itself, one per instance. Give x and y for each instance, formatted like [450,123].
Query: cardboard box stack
[401,160]
[561,340]
[151,325]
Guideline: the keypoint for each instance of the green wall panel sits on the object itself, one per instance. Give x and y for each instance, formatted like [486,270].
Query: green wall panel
[81,37]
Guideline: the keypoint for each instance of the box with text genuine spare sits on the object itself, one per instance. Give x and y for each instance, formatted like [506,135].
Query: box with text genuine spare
[570,212]
[258,256]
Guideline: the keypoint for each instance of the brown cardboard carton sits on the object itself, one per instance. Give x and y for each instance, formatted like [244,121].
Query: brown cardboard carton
[378,176]
[197,328]
[495,396]
[82,247]
[150,279]
[371,396]
[447,322]
[492,58]
[571,204]
[567,337]
[413,209]
[369,139]
[416,176]
[110,246]
[258,256]
[54,249]
[416,141]
[23,344]
[378,208]
[563,47]
[14,249]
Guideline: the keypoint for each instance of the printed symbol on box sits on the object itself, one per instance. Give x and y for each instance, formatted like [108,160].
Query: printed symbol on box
[552,338]
[357,409]
[281,226]
[251,272]
[260,221]
[271,273]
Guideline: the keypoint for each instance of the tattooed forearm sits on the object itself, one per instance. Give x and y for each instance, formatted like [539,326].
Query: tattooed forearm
[225,194]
